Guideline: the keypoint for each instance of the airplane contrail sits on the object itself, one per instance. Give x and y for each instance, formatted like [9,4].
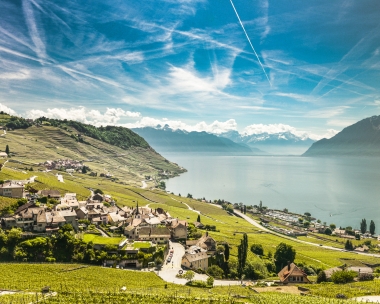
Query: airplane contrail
[249,40]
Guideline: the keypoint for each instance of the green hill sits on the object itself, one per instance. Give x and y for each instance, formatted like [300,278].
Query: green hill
[114,150]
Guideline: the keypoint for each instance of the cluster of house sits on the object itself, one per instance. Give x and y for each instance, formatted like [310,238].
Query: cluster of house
[62,163]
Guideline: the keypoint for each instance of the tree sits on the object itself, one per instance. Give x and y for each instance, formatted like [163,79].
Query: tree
[226,252]
[242,254]
[348,245]
[332,226]
[84,170]
[363,226]
[7,150]
[98,191]
[189,195]
[199,218]
[215,271]
[328,231]
[284,254]
[210,281]
[257,249]
[189,275]
[372,227]
[321,277]
[245,209]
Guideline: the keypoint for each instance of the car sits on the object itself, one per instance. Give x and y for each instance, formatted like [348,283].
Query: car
[169,259]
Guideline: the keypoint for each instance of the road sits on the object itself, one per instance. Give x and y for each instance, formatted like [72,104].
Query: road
[170,270]
[144,185]
[254,223]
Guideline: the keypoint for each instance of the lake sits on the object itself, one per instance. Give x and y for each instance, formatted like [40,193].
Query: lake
[334,190]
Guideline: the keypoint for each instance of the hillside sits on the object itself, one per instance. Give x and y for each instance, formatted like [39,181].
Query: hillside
[114,150]
[359,139]
[168,140]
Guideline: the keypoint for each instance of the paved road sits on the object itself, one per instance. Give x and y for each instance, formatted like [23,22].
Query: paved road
[254,223]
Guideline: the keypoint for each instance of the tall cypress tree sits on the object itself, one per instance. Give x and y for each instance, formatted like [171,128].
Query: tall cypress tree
[363,226]
[7,149]
[226,251]
[372,227]
[199,218]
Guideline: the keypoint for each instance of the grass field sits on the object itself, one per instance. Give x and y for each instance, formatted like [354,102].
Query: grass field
[101,240]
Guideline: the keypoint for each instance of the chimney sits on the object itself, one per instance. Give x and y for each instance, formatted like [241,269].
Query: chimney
[288,265]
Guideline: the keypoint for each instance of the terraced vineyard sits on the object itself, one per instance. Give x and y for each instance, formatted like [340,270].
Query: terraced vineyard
[73,283]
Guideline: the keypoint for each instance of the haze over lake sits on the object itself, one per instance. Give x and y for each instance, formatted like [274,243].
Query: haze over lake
[335,190]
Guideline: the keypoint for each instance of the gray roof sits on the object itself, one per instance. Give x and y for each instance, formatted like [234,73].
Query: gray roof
[192,257]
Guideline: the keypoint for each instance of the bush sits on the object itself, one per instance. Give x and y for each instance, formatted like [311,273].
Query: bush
[197,283]
[342,277]
[366,277]
[210,281]
[215,271]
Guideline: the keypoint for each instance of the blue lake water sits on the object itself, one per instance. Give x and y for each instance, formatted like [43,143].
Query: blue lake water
[334,190]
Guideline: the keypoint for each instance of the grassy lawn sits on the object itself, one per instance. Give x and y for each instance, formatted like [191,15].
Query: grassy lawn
[138,245]
[101,240]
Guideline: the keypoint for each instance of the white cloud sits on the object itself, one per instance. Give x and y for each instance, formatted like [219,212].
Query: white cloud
[22,74]
[6,109]
[110,116]
[216,127]
[330,133]
[327,112]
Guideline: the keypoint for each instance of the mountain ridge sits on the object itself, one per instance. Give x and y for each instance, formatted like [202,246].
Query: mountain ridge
[359,139]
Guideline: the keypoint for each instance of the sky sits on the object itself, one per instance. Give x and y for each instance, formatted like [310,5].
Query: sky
[308,67]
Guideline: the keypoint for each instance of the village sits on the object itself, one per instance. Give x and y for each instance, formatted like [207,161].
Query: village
[140,227]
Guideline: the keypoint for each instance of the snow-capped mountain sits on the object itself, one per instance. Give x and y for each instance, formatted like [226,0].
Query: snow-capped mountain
[277,143]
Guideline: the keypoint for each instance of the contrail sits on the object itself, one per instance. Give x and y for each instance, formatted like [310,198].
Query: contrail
[249,40]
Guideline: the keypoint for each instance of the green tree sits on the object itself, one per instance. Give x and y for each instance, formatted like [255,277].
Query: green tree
[199,218]
[321,277]
[189,195]
[215,271]
[98,191]
[328,231]
[210,281]
[363,226]
[189,275]
[372,227]
[284,254]
[84,170]
[257,249]
[242,254]
[226,252]
[332,226]
[348,245]
[7,149]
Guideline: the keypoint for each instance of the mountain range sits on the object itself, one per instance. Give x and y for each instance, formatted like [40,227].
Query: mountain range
[282,143]
[164,139]
[359,139]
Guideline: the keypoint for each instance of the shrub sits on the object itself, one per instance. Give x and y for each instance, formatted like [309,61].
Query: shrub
[197,283]
[321,277]
[342,277]
[215,271]
[366,277]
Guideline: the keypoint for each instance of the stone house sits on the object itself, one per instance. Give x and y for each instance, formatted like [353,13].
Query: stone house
[196,260]
[158,235]
[178,229]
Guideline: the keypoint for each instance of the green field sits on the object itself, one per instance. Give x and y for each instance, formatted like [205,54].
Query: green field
[101,240]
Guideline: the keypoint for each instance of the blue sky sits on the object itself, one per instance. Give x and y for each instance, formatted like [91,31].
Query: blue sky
[188,63]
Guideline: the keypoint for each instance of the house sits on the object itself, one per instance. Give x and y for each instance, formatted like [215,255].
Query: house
[178,229]
[13,190]
[3,155]
[132,230]
[198,225]
[159,235]
[50,194]
[206,243]
[195,260]
[82,213]
[114,218]
[292,274]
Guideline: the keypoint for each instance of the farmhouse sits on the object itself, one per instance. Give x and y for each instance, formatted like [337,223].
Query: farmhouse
[14,190]
[292,274]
